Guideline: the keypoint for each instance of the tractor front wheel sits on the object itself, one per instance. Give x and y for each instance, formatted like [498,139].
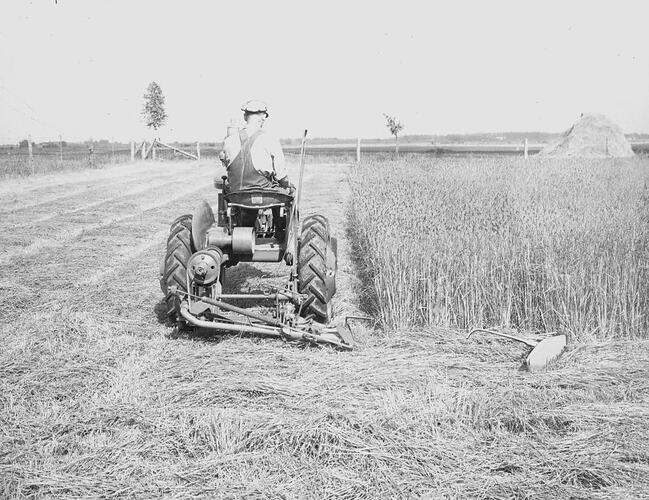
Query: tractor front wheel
[179,249]
[317,266]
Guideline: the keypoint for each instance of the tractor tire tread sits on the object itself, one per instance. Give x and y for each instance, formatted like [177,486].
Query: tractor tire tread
[179,249]
[312,268]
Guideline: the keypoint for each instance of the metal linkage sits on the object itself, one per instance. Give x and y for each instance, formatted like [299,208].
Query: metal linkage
[270,327]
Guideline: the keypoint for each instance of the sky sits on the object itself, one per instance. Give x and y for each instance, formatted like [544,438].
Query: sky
[79,68]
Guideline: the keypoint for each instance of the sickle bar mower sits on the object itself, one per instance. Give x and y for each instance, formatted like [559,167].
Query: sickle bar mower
[254,225]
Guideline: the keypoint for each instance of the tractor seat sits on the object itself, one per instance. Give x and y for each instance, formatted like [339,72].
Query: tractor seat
[258,198]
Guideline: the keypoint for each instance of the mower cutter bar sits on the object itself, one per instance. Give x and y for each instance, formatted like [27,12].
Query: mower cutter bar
[278,329]
[255,296]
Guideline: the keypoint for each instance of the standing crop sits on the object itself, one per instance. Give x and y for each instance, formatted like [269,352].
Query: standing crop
[548,245]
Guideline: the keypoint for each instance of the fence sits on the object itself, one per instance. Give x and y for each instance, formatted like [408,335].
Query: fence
[28,158]
[46,157]
[31,158]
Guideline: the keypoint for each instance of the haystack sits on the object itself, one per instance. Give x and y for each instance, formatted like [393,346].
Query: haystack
[593,136]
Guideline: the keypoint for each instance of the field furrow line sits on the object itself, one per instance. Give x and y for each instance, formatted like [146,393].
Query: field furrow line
[60,180]
[94,204]
[86,189]
[49,280]
[41,244]
[118,265]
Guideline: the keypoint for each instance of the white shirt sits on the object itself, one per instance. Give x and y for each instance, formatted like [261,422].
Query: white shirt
[266,152]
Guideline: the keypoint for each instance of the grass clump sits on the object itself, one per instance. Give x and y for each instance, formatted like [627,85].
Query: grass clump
[537,245]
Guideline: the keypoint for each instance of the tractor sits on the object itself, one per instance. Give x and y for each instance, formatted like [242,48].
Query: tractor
[253,225]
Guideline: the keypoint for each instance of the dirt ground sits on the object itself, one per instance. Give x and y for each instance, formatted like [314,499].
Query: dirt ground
[99,399]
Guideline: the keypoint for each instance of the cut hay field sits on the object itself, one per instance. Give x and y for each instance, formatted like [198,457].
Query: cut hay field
[99,399]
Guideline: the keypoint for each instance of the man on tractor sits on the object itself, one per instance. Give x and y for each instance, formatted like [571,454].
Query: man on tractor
[253,158]
[255,220]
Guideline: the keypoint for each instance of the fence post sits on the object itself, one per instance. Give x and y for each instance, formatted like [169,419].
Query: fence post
[153,150]
[61,148]
[198,150]
[525,149]
[91,155]
[358,150]
[132,151]
[143,152]
[31,152]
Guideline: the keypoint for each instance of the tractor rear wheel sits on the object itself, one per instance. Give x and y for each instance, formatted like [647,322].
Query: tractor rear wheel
[179,249]
[317,266]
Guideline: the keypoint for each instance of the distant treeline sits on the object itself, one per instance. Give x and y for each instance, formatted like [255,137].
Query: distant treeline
[489,138]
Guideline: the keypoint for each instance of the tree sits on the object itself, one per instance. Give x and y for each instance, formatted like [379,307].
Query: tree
[395,127]
[154,107]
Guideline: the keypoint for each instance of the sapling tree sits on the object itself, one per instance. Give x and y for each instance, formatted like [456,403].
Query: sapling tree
[153,111]
[395,126]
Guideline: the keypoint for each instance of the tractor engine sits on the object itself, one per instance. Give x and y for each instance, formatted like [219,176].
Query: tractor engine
[264,223]
[267,222]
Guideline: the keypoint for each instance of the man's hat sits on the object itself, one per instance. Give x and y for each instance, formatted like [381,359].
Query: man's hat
[255,107]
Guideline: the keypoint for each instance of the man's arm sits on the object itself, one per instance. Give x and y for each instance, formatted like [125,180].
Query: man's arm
[231,148]
[279,162]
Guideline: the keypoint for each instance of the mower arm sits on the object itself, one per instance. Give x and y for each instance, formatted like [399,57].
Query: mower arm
[273,328]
